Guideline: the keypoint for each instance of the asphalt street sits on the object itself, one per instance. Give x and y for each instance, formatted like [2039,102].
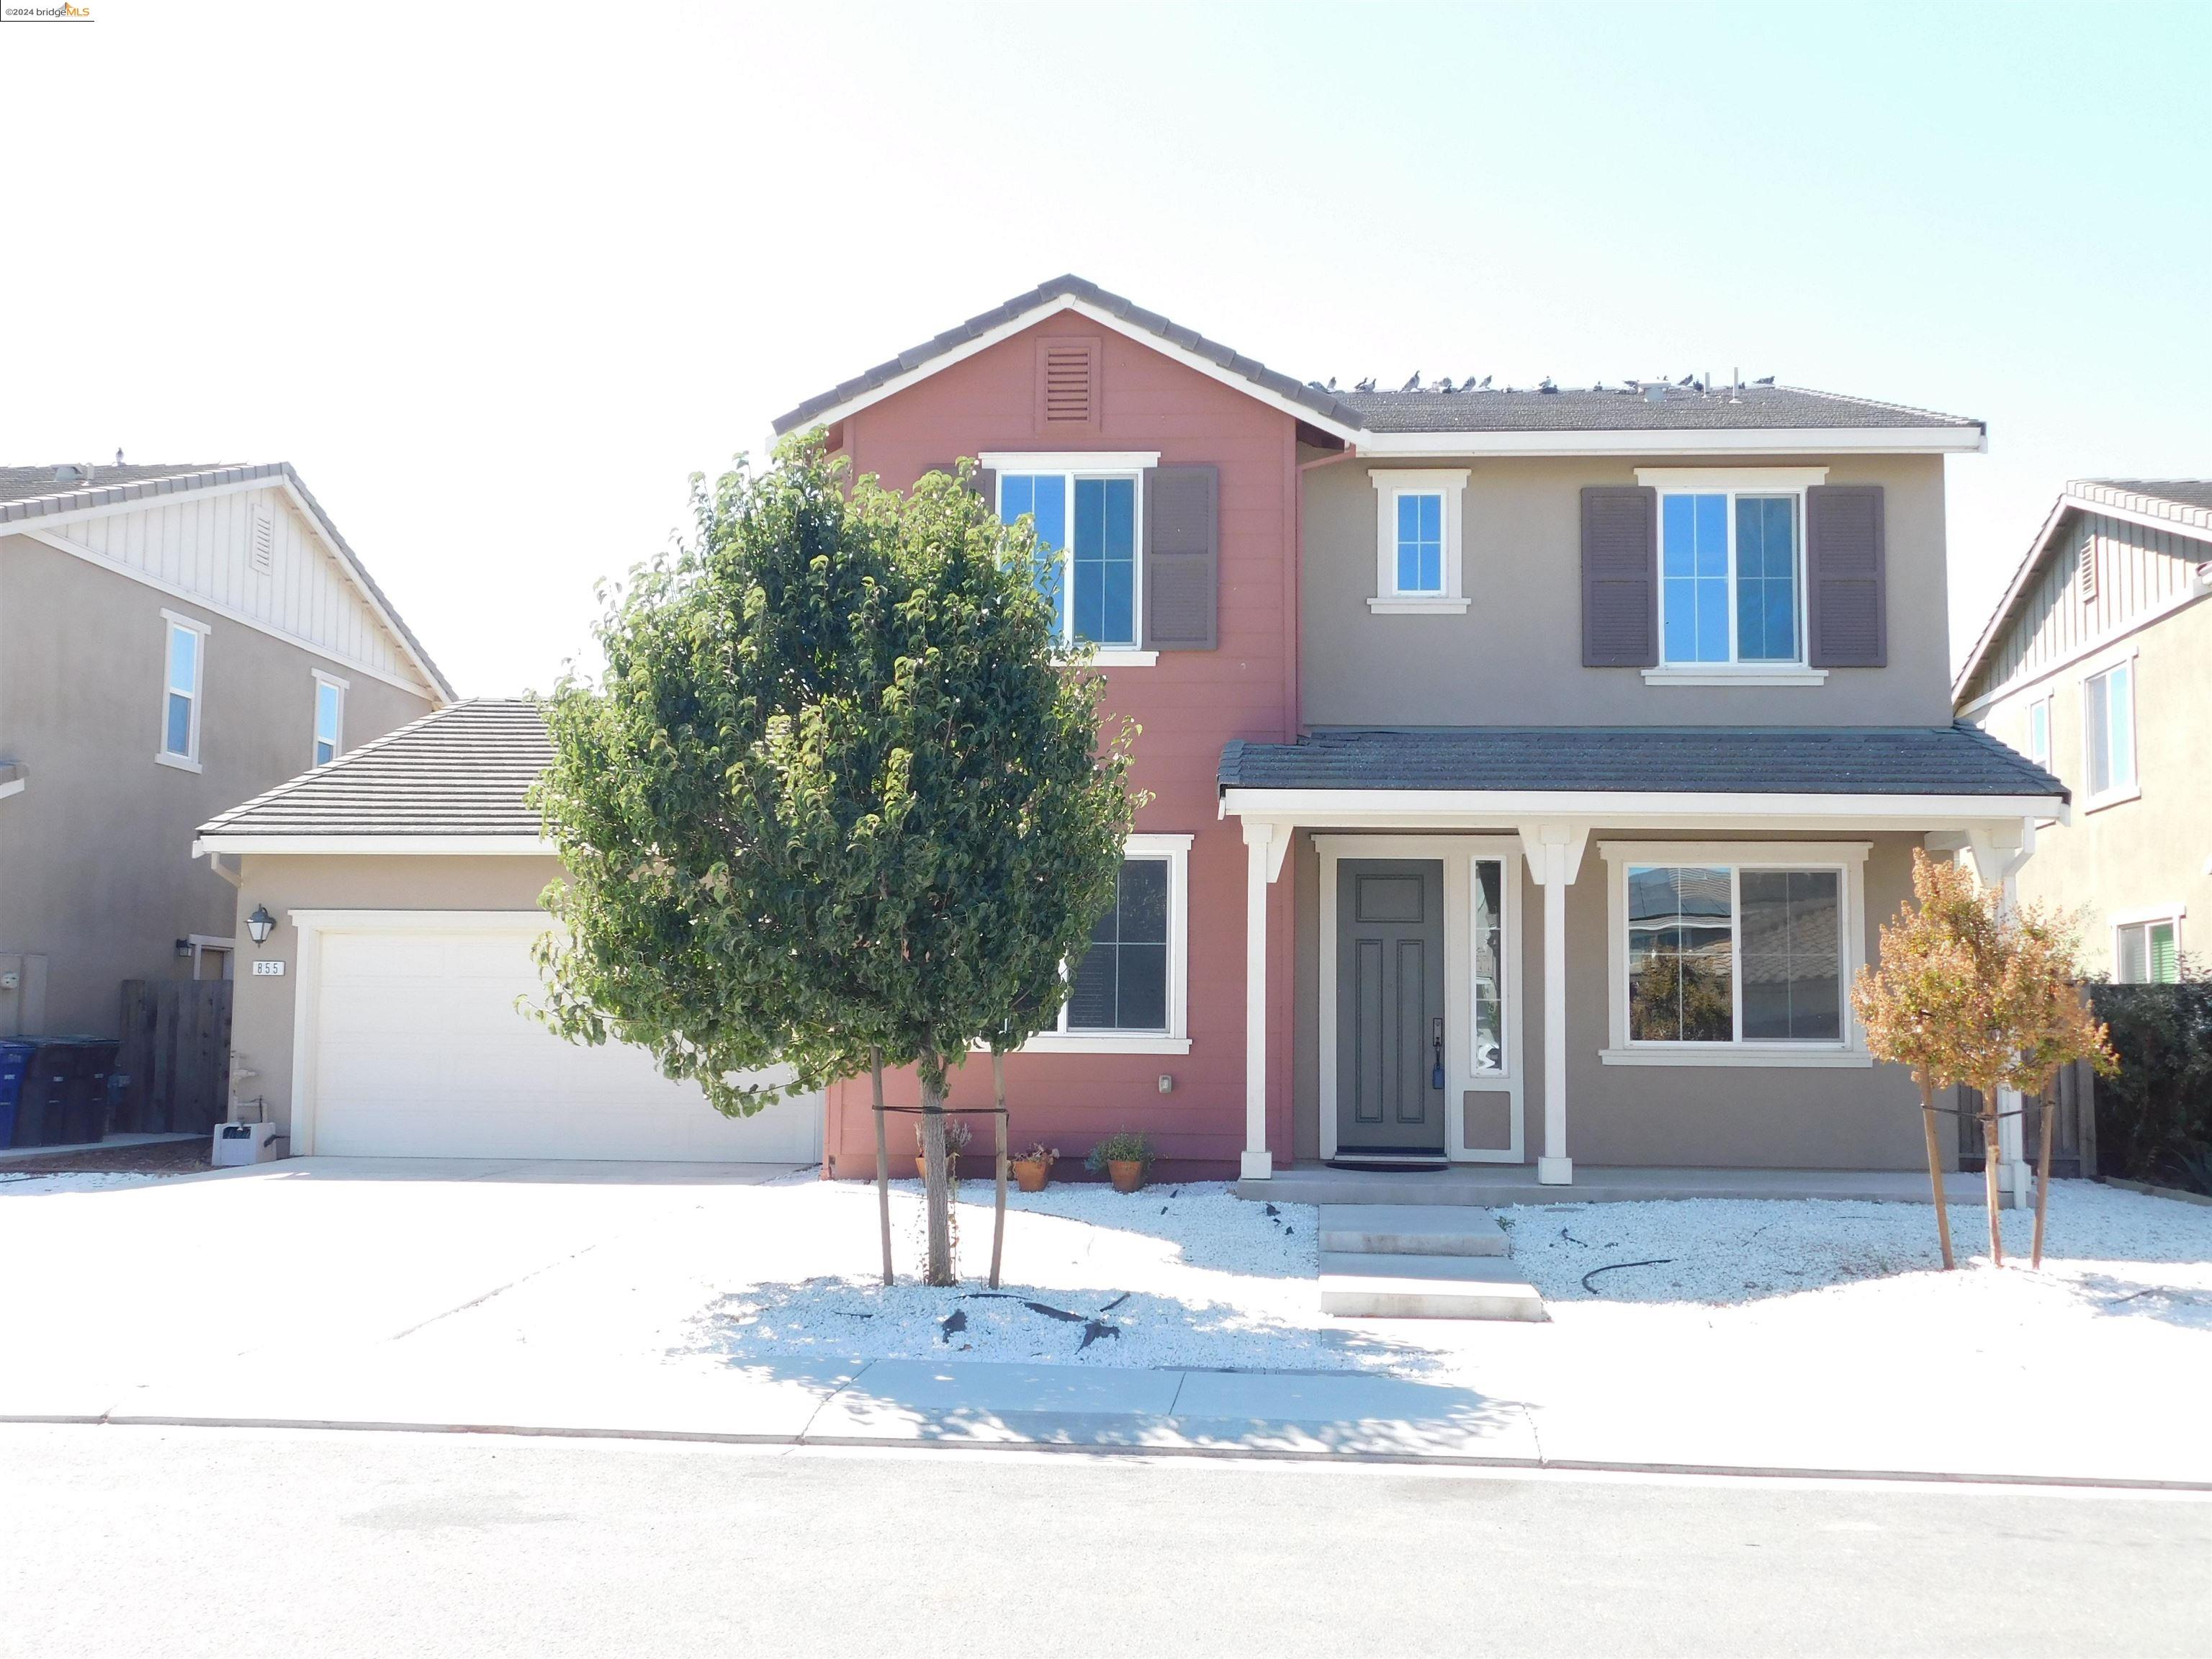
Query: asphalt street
[144,1541]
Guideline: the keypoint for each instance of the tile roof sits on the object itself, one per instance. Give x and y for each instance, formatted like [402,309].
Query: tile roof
[2193,495]
[464,770]
[1953,760]
[1592,409]
[28,492]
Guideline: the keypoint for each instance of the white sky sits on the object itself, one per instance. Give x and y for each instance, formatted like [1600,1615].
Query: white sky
[496,278]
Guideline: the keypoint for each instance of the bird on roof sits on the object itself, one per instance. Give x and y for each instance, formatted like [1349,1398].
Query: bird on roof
[1332,383]
[1768,380]
[1414,385]
[1688,380]
[1444,384]
[1544,385]
[1367,385]
[118,458]
[1486,383]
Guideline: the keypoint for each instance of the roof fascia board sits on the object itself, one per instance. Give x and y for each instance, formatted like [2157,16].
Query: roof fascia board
[201,602]
[154,496]
[344,846]
[1632,808]
[312,512]
[1104,319]
[1765,440]
[2198,529]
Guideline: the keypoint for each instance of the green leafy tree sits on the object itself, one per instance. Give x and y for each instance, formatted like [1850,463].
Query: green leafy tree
[837,799]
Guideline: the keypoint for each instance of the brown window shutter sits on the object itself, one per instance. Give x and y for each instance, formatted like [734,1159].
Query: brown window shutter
[1846,577]
[1068,383]
[1620,577]
[1183,558]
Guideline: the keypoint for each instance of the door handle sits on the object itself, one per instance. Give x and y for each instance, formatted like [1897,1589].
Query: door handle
[1437,1073]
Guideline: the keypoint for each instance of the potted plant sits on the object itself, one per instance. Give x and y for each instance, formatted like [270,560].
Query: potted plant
[1033,1168]
[956,1136]
[1123,1156]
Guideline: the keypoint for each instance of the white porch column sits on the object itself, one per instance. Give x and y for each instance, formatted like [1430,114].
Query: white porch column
[1554,852]
[1265,844]
[1999,851]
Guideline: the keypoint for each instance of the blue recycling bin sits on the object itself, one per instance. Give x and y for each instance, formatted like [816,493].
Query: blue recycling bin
[15,1065]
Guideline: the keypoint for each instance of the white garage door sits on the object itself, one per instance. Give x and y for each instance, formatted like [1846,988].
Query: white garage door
[420,1051]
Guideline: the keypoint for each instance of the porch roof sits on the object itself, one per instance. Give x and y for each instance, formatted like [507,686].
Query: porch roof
[1950,762]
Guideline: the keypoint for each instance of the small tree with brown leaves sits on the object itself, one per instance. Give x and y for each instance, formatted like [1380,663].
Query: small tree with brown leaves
[1971,990]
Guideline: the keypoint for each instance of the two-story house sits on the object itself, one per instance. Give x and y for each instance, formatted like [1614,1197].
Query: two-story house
[1529,770]
[171,639]
[2097,663]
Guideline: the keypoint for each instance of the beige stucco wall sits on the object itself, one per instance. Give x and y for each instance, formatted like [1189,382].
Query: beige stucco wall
[95,853]
[1729,1116]
[262,1012]
[2147,853]
[1514,656]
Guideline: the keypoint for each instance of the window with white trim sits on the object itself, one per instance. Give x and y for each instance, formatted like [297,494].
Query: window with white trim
[1417,539]
[330,717]
[1487,942]
[2108,716]
[1739,949]
[1088,539]
[2039,732]
[1129,990]
[2148,953]
[184,665]
[1730,577]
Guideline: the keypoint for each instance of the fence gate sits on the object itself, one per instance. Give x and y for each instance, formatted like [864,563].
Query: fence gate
[176,1052]
[2073,1125]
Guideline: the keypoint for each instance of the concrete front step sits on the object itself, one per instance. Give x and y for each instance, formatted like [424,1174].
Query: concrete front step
[1411,1229]
[1425,1287]
[1319,1184]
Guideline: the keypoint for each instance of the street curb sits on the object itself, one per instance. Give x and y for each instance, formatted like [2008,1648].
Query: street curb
[1269,1454]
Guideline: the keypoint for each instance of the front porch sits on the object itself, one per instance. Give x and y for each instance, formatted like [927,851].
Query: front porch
[1495,1186]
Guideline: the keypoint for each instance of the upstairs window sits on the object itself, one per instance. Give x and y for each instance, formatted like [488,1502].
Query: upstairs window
[2108,709]
[2039,732]
[1086,529]
[1420,542]
[182,667]
[1417,529]
[1730,583]
[330,717]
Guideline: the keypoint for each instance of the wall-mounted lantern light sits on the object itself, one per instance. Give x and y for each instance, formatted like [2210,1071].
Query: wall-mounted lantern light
[260,924]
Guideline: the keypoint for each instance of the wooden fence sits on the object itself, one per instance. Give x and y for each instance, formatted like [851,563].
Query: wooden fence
[2073,1125]
[176,1054]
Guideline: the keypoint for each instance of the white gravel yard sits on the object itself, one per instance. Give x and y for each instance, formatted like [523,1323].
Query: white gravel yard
[26,1183]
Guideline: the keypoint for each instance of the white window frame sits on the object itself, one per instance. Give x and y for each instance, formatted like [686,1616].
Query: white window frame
[2045,701]
[337,738]
[1069,465]
[1732,482]
[171,621]
[2096,669]
[1391,482]
[2153,916]
[1175,1039]
[1847,859]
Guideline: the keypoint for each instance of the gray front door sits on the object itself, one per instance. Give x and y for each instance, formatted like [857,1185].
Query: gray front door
[1390,1004]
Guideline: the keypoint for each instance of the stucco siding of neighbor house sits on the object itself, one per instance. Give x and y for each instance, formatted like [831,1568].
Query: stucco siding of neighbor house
[262,1021]
[1733,1116]
[2149,855]
[1189,704]
[1514,656]
[96,871]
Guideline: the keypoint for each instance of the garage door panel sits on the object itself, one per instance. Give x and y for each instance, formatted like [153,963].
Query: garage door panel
[420,1050]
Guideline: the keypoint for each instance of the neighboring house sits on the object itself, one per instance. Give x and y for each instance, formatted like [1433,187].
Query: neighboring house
[401,887]
[171,639]
[1528,770]
[2098,663]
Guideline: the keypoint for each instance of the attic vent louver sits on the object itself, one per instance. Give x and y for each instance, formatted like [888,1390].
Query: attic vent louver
[262,549]
[1067,384]
[2085,569]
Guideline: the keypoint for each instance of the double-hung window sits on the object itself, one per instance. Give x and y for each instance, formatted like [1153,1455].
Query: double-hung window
[1731,569]
[1718,949]
[2147,951]
[183,665]
[330,716]
[1087,514]
[1416,539]
[2108,716]
[1128,989]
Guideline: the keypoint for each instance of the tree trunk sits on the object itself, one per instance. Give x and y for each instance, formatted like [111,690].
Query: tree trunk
[2043,1169]
[1935,1168]
[883,1163]
[1991,1158]
[998,1221]
[936,1177]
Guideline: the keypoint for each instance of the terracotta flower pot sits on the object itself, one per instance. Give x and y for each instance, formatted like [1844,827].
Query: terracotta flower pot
[922,1167]
[1030,1174]
[1128,1173]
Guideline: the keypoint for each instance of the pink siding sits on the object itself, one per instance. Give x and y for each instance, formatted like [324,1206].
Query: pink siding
[1189,704]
